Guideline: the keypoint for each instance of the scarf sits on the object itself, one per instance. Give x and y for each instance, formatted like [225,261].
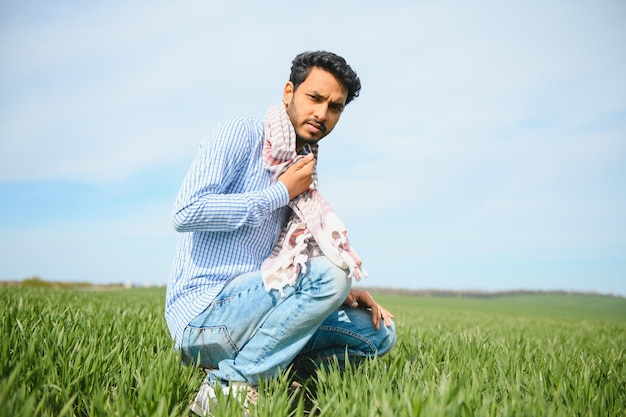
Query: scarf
[313,229]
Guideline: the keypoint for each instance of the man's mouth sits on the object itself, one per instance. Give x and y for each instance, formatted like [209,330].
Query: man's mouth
[317,126]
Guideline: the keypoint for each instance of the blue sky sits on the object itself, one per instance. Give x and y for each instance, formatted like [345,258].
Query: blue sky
[487,150]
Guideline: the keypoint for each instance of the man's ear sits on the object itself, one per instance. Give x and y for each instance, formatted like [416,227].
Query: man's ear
[288,93]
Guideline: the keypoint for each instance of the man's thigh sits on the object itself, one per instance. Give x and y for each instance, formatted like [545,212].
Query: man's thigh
[220,331]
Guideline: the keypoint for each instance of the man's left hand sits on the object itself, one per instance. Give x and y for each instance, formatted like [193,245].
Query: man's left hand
[363,299]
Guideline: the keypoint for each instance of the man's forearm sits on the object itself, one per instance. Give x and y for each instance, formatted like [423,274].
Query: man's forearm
[228,212]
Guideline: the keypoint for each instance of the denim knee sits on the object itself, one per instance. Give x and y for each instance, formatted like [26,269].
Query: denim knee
[388,341]
[330,280]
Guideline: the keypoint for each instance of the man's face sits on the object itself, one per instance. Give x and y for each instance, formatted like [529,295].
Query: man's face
[315,106]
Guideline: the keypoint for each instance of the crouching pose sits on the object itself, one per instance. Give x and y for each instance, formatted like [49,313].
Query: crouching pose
[261,282]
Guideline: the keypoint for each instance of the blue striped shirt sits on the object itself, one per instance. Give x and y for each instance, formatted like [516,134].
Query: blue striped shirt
[229,215]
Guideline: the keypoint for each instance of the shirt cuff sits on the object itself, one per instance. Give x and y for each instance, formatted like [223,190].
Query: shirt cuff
[277,196]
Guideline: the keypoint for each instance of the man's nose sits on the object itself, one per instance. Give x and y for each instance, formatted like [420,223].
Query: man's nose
[321,112]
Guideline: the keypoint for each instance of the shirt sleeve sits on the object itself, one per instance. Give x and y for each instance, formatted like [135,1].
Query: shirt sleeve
[206,200]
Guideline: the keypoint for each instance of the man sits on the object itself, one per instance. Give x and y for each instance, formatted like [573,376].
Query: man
[232,207]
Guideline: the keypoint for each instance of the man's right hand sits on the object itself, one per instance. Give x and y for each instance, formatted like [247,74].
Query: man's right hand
[299,176]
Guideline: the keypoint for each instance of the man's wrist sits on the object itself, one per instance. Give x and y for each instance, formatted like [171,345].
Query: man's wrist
[277,195]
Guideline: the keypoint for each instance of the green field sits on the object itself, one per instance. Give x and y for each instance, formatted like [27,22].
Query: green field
[108,353]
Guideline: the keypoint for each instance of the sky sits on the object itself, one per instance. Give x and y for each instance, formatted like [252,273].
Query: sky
[487,150]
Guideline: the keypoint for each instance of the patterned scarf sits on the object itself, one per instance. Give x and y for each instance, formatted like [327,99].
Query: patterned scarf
[313,228]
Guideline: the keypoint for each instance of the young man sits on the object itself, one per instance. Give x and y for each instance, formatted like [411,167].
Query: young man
[228,314]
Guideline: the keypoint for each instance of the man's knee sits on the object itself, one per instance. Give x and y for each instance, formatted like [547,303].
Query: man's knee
[388,340]
[355,326]
[334,280]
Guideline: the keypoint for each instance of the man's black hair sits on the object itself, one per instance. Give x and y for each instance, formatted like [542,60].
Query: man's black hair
[336,65]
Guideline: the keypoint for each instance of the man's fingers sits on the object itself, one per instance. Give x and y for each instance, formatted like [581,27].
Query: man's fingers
[376,315]
[299,176]
[387,316]
[350,301]
[308,162]
[365,300]
[307,159]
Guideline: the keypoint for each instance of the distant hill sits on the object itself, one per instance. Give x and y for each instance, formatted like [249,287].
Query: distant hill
[475,293]
[431,292]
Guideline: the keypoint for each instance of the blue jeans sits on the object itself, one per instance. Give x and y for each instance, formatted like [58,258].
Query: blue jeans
[247,333]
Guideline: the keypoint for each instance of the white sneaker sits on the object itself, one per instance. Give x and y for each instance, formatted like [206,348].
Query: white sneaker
[207,397]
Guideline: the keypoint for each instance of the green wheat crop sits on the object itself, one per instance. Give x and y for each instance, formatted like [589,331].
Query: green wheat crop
[108,353]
